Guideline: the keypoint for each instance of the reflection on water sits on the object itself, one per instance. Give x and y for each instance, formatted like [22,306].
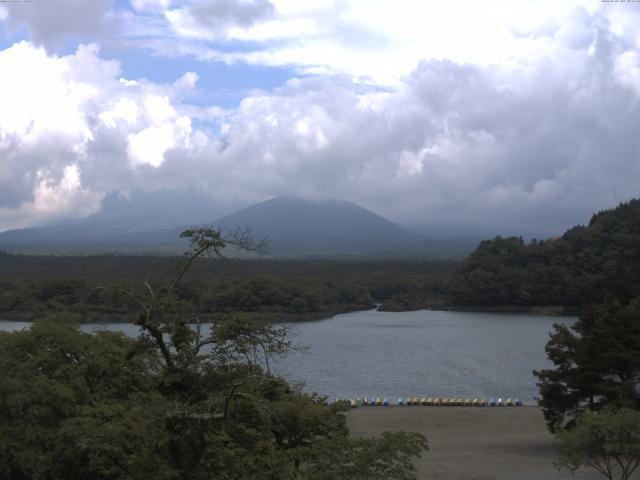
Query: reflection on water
[426,353]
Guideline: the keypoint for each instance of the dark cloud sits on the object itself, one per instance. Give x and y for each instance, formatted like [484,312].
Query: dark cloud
[49,22]
[216,14]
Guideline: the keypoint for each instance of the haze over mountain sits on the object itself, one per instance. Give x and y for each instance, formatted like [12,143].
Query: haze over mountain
[293,227]
[331,226]
[136,221]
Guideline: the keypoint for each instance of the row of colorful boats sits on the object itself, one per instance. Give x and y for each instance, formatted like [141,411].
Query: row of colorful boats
[432,402]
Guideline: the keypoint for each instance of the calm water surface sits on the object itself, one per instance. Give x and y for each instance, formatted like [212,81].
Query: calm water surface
[425,353]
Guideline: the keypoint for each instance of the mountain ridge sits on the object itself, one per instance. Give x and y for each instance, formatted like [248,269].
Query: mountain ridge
[294,227]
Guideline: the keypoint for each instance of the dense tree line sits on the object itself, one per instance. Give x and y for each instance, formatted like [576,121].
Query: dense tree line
[585,265]
[596,363]
[280,290]
[591,396]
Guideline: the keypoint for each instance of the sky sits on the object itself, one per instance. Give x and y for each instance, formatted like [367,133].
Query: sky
[517,115]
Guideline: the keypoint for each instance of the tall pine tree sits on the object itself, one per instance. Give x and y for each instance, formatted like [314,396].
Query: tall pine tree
[597,363]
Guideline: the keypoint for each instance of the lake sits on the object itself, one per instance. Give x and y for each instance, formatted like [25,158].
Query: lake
[423,353]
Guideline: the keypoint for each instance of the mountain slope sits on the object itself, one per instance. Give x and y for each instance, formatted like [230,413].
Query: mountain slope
[85,236]
[332,226]
[294,227]
[138,221]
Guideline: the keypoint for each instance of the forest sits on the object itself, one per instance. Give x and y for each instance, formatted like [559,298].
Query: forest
[585,265]
[559,275]
[32,286]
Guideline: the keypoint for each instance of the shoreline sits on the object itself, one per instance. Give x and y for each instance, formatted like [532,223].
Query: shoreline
[542,311]
[287,317]
[272,317]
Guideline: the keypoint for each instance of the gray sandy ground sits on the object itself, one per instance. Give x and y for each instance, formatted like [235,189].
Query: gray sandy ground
[470,443]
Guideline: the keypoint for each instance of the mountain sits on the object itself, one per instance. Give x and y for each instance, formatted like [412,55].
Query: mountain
[294,227]
[159,210]
[86,237]
[139,221]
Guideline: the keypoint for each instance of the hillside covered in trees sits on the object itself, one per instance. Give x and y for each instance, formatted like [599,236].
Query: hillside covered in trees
[585,265]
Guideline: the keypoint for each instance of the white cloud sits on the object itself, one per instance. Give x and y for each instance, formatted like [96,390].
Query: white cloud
[52,199]
[65,196]
[166,130]
[123,109]
[71,129]
[369,39]
[542,127]
[627,69]
[150,5]
[33,108]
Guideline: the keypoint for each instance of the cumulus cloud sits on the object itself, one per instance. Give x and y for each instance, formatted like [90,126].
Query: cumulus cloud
[368,39]
[458,141]
[520,147]
[71,129]
[537,143]
[52,199]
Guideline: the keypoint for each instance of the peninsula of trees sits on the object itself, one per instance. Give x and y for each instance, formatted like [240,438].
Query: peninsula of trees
[585,265]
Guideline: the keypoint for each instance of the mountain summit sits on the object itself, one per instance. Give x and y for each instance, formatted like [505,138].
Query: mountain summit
[293,225]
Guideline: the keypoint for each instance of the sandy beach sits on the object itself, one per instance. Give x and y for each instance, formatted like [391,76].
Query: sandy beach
[470,443]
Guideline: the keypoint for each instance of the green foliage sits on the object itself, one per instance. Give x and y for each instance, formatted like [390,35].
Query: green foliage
[388,456]
[608,441]
[281,290]
[585,265]
[178,402]
[597,363]
[72,406]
